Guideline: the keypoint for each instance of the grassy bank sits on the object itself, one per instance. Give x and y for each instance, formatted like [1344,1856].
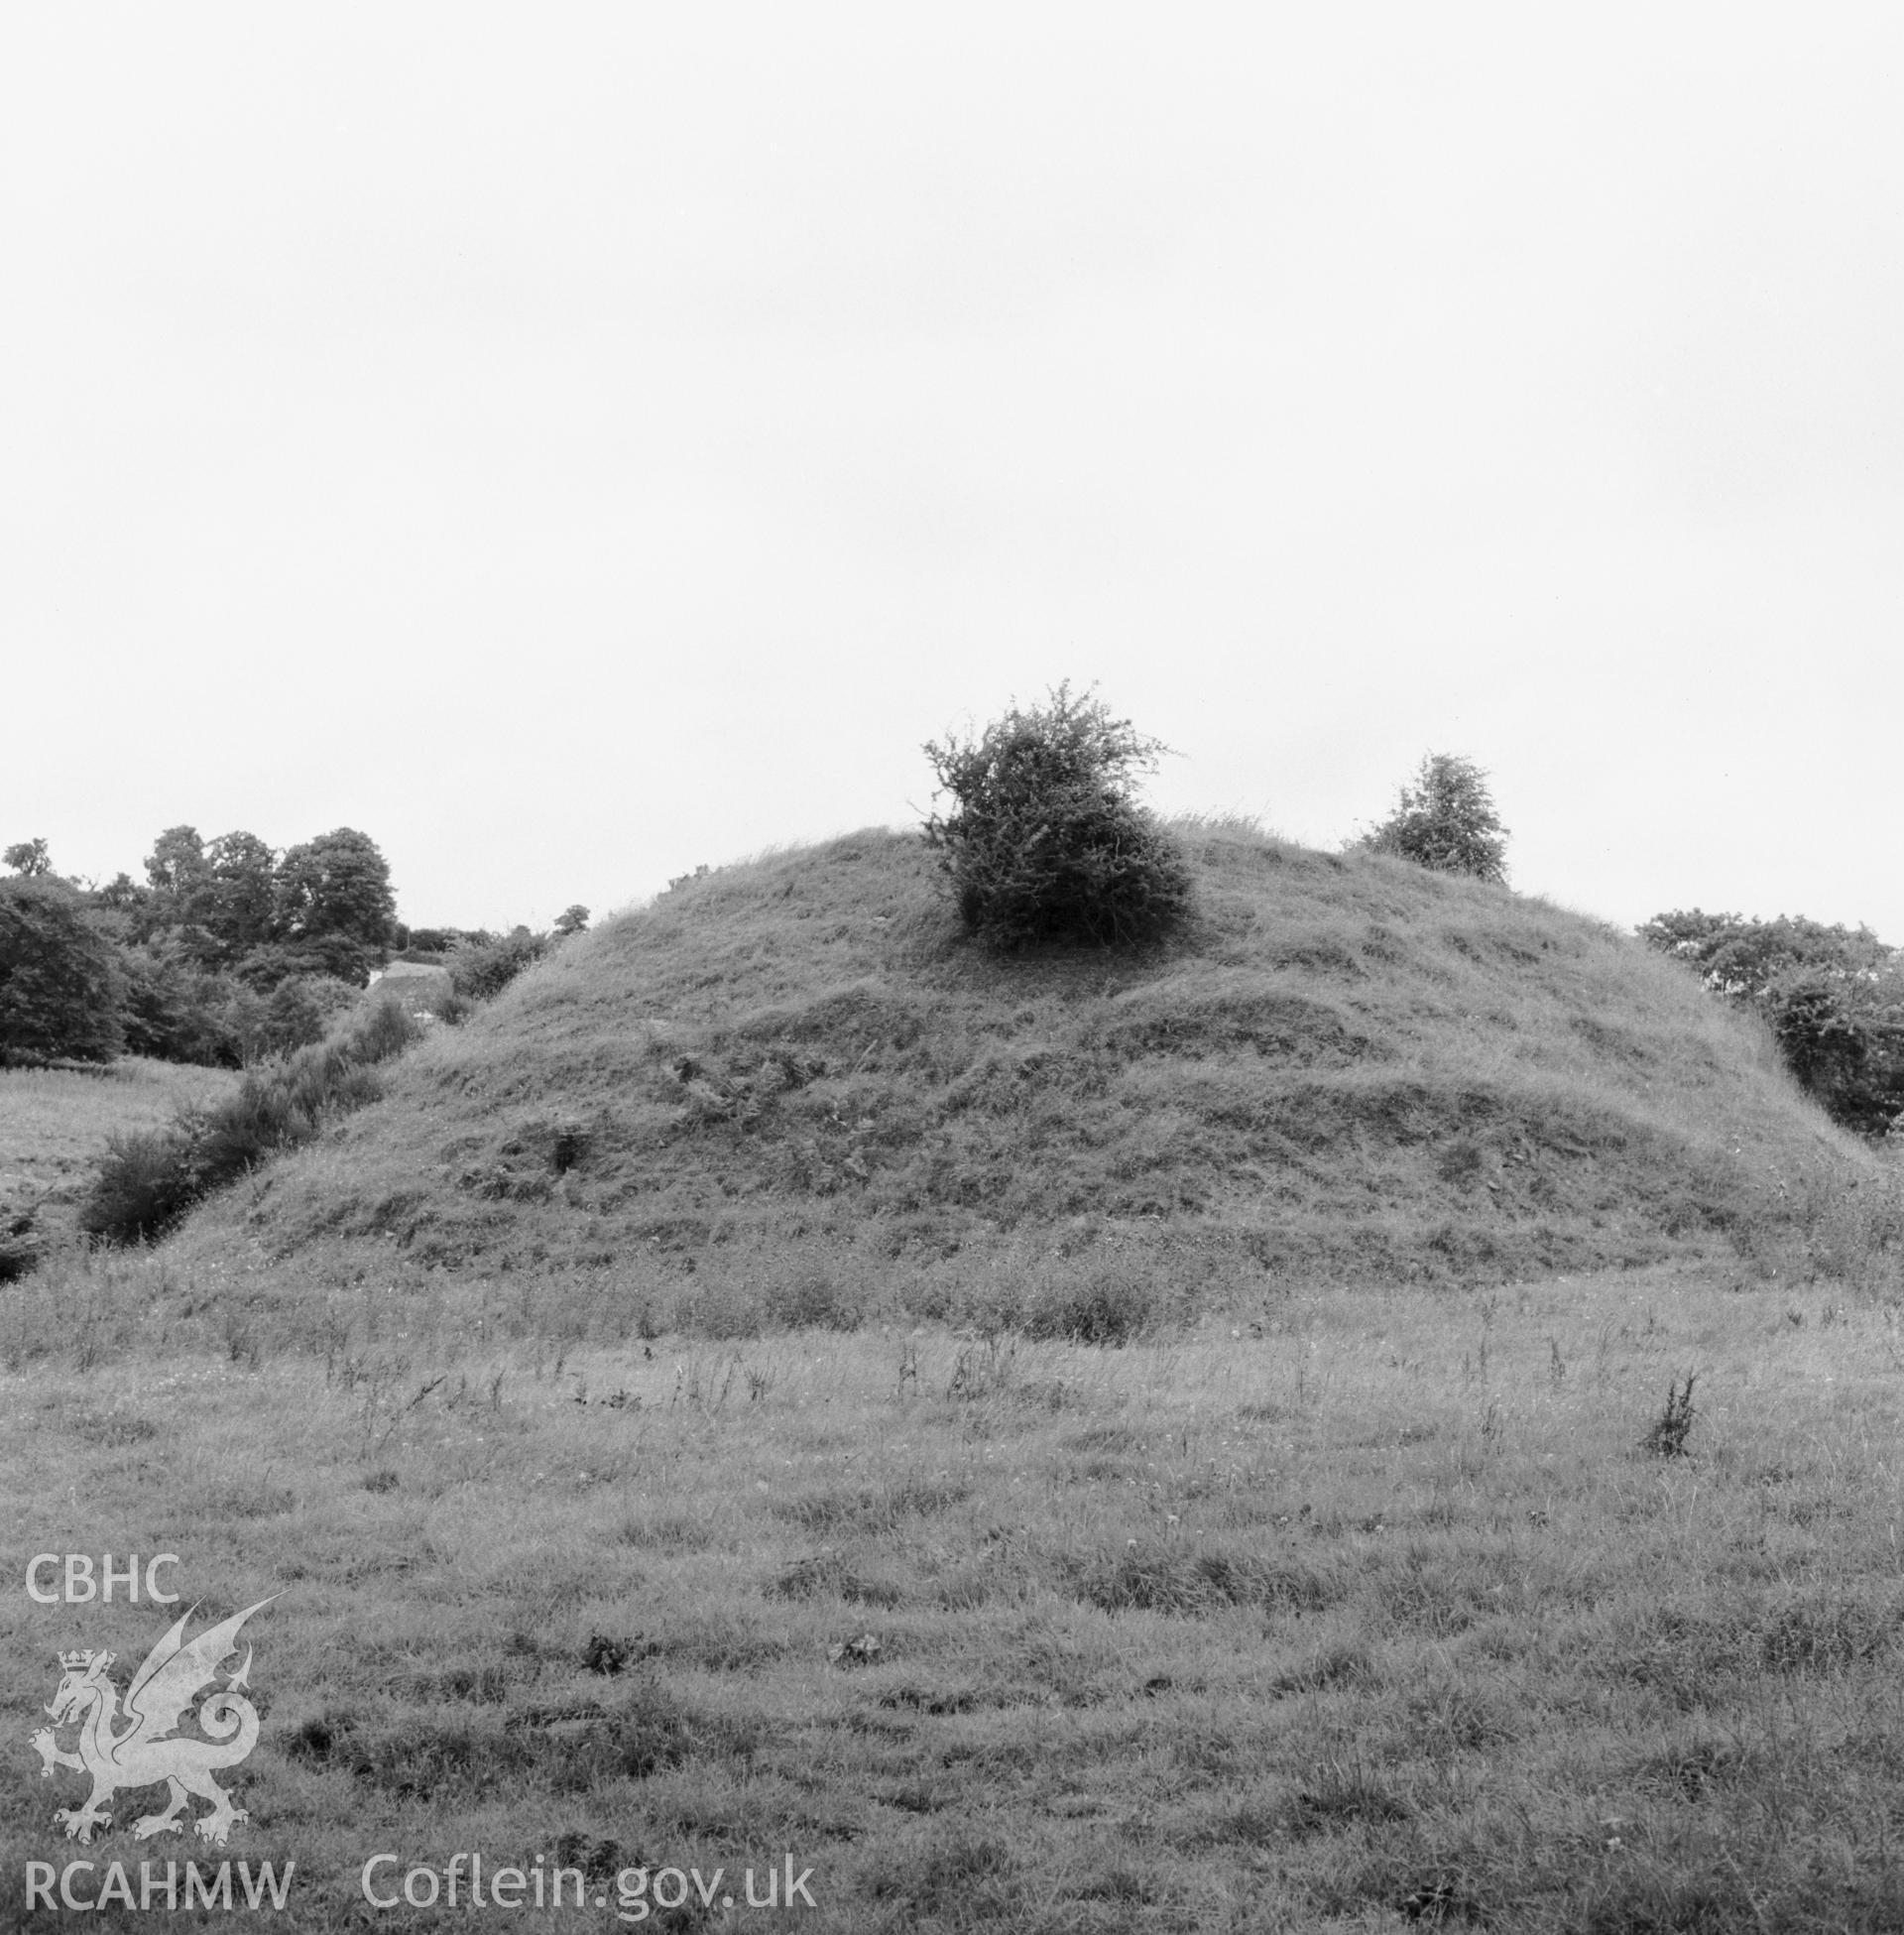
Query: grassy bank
[1342,1611]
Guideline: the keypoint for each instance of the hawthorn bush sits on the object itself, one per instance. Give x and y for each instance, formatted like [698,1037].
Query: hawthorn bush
[1446,821]
[1044,841]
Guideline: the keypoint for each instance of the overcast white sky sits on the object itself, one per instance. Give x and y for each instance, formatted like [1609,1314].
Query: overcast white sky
[575,442]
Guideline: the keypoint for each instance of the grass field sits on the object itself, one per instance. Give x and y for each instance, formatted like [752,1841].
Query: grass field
[1349,1611]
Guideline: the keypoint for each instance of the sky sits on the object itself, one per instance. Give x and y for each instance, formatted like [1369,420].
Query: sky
[576,444]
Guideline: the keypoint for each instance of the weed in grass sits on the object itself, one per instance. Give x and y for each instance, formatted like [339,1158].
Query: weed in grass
[703,1386]
[486,1685]
[823,1575]
[981,1371]
[1695,1770]
[1344,1663]
[1443,1901]
[871,1509]
[1163,1576]
[862,1650]
[1449,1719]
[1342,1791]
[1667,1435]
[1103,1437]
[606,1655]
[920,1700]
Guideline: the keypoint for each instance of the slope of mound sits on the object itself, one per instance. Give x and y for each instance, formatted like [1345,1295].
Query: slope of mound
[791,1086]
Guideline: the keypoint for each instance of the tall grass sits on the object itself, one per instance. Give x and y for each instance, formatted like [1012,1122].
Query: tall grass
[147,1180]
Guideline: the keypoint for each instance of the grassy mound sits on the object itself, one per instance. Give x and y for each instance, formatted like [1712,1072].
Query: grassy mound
[791,1091]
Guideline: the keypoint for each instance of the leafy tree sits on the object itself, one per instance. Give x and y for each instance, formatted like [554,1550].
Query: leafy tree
[1832,996]
[176,863]
[175,1009]
[1044,842]
[439,940]
[335,887]
[59,981]
[242,889]
[29,858]
[572,920]
[1744,958]
[335,957]
[1446,821]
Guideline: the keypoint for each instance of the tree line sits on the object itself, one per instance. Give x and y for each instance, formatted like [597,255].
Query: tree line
[1832,995]
[227,952]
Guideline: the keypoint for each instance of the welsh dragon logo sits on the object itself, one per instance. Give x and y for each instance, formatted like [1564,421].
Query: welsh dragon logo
[151,1749]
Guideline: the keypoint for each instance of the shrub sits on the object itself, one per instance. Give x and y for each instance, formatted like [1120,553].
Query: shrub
[1447,821]
[483,966]
[145,1182]
[1667,1435]
[1044,842]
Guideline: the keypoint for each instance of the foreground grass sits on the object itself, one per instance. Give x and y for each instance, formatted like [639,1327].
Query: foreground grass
[1348,1612]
